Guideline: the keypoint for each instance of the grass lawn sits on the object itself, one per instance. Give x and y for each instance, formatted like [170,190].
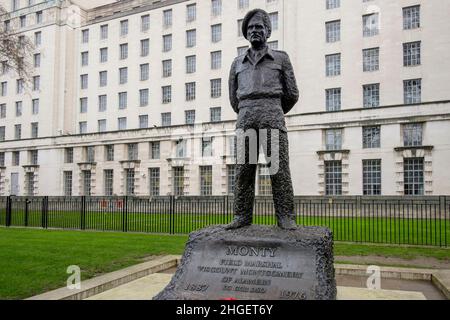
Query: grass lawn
[423,230]
[35,261]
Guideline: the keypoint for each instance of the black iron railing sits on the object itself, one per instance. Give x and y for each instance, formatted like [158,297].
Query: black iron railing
[390,220]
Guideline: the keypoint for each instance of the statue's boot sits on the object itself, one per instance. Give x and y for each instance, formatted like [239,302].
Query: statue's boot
[287,222]
[239,222]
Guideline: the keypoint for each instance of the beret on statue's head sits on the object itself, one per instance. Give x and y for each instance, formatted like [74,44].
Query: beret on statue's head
[264,15]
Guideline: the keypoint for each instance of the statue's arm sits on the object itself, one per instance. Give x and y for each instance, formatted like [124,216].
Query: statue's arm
[233,86]
[291,94]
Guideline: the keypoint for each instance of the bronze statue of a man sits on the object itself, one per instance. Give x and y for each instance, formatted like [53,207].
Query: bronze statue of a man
[262,89]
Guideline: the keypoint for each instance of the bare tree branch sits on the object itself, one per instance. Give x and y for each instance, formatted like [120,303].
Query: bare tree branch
[16,50]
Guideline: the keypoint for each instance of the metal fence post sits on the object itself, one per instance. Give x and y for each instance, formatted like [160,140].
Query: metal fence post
[26,213]
[125,214]
[172,215]
[83,213]
[8,211]
[45,213]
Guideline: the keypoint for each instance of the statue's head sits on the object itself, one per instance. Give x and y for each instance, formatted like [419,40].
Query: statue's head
[257,27]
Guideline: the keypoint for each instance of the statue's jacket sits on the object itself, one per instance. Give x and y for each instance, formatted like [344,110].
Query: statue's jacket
[262,91]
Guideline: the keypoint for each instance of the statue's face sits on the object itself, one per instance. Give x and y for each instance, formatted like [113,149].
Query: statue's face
[257,32]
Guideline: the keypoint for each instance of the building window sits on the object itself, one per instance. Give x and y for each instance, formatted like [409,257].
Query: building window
[154,181]
[243,4]
[2,133]
[242,50]
[207,147]
[68,183]
[4,89]
[216,114]
[155,149]
[145,23]
[37,60]
[103,55]
[84,81]
[122,123]
[38,38]
[19,86]
[36,83]
[145,47]
[231,179]
[2,159]
[216,60]
[108,178]
[34,157]
[371,59]
[332,4]
[123,100]
[191,38]
[34,130]
[167,42]
[124,51]
[178,181]
[86,178]
[133,151]
[16,158]
[370,25]
[102,103]
[85,58]
[333,178]
[411,53]
[333,31]
[264,181]
[413,176]
[216,33]
[144,72]
[3,111]
[30,183]
[372,177]
[123,28]
[143,121]
[412,91]
[83,127]
[23,21]
[411,17]
[190,116]
[102,125]
[39,17]
[191,12]
[206,180]
[109,152]
[190,91]
[333,97]
[90,154]
[166,119]
[371,137]
[18,131]
[274,19]
[166,94]
[180,148]
[191,62]
[216,88]
[143,97]
[167,18]
[371,93]
[412,134]
[216,8]
[19,108]
[104,32]
[68,155]
[85,36]
[167,68]
[83,105]
[333,64]
[333,139]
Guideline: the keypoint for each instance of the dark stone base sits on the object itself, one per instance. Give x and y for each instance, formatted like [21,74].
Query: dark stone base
[255,263]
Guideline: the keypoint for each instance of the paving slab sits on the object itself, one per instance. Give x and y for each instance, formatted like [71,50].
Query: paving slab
[146,288]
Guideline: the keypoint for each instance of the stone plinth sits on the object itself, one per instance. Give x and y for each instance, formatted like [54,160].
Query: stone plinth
[255,263]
